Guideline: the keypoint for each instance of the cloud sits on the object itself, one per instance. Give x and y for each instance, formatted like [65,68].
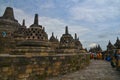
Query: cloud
[80,30]
[20,15]
[93,15]
[2,7]
[58,27]
[102,36]
[99,11]
[51,24]
[94,21]
[47,5]
[93,45]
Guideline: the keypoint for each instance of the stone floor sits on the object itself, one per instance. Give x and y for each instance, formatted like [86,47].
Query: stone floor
[97,70]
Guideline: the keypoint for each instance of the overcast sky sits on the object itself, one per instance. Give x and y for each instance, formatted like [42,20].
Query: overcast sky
[94,21]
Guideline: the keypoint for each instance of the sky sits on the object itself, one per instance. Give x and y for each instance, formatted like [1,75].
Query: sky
[94,21]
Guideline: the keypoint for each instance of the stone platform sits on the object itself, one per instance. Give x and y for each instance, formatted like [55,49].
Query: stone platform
[21,67]
[97,70]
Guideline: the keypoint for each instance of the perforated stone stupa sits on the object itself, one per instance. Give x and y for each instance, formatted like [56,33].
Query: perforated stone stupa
[34,40]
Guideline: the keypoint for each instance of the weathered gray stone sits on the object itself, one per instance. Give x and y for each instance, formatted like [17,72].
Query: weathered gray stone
[97,70]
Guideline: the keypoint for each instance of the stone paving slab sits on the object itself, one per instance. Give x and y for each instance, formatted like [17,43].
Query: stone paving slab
[97,70]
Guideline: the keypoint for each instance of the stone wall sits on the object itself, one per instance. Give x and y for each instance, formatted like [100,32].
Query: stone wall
[14,67]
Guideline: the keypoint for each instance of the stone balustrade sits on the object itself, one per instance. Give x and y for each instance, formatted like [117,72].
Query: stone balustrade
[21,67]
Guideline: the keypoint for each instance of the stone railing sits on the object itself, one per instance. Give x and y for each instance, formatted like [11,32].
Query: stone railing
[21,67]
